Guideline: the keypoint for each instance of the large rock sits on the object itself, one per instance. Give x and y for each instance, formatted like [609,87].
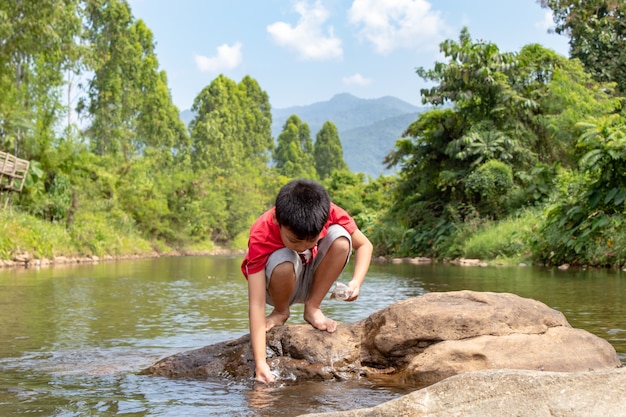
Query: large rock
[510,393]
[420,340]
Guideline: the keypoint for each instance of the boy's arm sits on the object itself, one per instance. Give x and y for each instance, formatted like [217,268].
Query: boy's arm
[362,256]
[256,314]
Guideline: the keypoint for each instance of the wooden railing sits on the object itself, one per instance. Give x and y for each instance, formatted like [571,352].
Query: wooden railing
[12,172]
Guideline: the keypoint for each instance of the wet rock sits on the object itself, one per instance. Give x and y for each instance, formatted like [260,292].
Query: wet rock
[60,260]
[296,351]
[420,341]
[225,359]
[508,392]
[23,258]
[468,262]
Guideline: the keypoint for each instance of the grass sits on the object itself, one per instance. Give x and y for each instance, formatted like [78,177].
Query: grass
[23,233]
[89,235]
[503,242]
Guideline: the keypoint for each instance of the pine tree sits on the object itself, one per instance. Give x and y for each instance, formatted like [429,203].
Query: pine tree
[294,153]
[327,151]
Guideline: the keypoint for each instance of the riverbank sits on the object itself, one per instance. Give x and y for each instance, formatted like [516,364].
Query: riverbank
[25,260]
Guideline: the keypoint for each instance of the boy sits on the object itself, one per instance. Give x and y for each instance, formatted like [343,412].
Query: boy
[296,251]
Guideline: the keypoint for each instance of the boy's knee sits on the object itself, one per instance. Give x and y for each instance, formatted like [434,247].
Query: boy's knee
[283,271]
[341,245]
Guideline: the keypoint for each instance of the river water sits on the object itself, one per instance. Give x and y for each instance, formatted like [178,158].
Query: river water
[73,338]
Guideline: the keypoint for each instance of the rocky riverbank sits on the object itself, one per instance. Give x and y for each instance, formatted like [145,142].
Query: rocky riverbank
[27,260]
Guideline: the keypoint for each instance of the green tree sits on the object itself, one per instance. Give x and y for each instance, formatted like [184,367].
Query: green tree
[232,125]
[597,32]
[161,134]
[488,188]
[475,79]
[128,103]
[483,143]
[604,142]
[562,94]
[113,99]
[587,215]
[231,141]
[327,151]
[428,182]
[427,173]
[293,155]
[258,121]
[37,48]
[519,109]
[133,125]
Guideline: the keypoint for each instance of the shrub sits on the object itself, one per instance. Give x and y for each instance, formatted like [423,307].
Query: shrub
[506,239]
[488,187]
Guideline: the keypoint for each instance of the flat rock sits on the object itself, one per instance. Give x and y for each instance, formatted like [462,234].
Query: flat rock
[505,392]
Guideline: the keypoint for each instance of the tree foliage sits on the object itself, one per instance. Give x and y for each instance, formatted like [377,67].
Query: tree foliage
[38,46]
[327,151]
[488,188]
[597,32]
[604,159]
[231,127]
[231,143]
[505,114]
[293,155]
[127,102]
[505,132]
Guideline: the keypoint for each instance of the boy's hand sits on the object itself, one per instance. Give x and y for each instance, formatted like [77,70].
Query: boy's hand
[263,373]
[355,287]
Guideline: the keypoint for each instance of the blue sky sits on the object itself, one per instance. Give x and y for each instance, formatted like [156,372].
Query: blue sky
[306,51]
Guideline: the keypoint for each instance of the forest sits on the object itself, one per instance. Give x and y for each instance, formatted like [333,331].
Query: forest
[520,157]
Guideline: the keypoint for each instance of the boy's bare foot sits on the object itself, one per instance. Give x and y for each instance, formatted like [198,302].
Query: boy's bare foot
[275,319]
[317,319]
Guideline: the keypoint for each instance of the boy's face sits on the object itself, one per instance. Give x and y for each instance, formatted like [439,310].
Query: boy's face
[291,241]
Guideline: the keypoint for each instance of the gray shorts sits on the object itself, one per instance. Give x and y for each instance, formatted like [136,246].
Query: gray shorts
[304,273]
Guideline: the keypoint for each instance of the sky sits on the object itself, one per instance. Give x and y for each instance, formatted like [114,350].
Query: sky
[306,51]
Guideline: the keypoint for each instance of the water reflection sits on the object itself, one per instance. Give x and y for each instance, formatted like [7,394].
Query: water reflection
[73,339]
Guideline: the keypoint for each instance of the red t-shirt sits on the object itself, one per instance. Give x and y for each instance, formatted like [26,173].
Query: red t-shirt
[265,237]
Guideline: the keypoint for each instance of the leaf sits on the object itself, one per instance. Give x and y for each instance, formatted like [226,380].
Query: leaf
[619,198]
[610,195]
[594,198]
[600,222]
[584,233]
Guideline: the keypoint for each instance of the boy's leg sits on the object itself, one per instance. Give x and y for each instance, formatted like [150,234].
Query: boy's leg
[281,270]
[333,256]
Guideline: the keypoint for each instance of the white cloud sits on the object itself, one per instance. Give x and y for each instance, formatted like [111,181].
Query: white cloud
[228,57]
[393,24]
[547,24]
[356,79]
[307,38]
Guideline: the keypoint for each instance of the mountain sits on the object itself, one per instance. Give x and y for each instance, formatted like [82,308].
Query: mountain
[365,147]
[186,116]
[368,128]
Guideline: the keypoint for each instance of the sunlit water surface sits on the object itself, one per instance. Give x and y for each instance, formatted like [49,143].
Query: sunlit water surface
[73,338]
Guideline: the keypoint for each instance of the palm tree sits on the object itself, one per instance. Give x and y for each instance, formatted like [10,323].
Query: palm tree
[482,145]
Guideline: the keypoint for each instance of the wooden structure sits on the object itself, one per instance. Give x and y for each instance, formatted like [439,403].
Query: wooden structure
[13,172]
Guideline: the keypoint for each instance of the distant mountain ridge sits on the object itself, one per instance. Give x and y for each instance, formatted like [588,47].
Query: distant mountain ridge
[368,128]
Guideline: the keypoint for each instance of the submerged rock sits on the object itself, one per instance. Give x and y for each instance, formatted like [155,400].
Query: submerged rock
[419,341]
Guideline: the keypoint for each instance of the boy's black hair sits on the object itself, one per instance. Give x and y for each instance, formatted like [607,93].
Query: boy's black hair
[303,206]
